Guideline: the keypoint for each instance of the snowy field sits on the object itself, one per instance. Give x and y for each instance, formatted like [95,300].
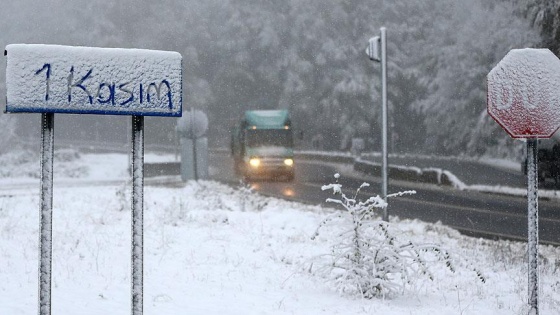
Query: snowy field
[215,249]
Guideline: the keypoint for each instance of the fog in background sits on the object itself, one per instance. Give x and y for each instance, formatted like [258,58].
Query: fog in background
[307,56]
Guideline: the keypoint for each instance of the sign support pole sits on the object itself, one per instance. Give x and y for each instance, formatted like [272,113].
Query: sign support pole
[384,172]
[533,224]
[377,51]
[193,137]
[45,230]
[137,213]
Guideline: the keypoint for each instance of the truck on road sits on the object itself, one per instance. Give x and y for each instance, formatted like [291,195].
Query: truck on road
[262,145]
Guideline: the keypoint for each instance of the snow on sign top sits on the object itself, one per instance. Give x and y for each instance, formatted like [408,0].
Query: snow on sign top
[524,93]
[86,80]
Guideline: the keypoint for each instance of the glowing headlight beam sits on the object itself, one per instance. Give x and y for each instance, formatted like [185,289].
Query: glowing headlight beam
[289,162]
[254,162]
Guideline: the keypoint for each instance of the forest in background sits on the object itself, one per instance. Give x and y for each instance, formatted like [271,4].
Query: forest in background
[307,56]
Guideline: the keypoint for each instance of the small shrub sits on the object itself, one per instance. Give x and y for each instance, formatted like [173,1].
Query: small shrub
[122,195]
[248,200]
[368,259]
[20,163]
[66,155]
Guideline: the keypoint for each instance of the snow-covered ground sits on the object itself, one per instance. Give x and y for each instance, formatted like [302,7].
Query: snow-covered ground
[215,249]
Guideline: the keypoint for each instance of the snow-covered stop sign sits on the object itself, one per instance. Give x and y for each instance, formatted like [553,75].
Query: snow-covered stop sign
[524,93]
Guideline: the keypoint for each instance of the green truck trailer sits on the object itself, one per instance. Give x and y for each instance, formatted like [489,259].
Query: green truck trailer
[262,145]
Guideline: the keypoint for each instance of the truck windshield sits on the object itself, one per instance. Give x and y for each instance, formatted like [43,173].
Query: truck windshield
[269,137]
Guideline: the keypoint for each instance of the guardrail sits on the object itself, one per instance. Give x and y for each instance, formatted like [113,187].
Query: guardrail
[411,174]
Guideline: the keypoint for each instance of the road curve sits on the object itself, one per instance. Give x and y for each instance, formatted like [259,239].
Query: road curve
[472,213]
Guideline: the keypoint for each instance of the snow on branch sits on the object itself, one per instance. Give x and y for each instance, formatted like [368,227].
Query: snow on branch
[368,259]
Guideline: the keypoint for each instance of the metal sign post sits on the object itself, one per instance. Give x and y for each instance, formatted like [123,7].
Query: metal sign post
[45,229]
[523,93]
[137,213]
[384,171]
[194,138]
[377,51]
[533,223]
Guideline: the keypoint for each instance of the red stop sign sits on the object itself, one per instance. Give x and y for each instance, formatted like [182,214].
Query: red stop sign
[524,93]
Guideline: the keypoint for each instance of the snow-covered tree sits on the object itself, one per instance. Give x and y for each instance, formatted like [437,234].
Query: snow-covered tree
[455,112]
[308,56]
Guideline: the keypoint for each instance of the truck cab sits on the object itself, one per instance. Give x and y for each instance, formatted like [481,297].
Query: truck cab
[263,146]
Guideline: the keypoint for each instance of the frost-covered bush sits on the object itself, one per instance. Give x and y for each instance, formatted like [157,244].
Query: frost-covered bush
[66,155]
[248,200]
[67,163]
[122,195]
[368,258]
[20,163]
[27,163]
[9,136]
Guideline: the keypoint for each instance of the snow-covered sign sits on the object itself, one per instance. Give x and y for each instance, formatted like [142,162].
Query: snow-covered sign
[193,124]
[524,93]
[86,80]
[373,49]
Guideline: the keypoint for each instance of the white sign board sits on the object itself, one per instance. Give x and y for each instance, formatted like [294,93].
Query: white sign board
[86,80]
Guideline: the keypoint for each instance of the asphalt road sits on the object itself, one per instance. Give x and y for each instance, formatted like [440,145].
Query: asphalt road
[472,213]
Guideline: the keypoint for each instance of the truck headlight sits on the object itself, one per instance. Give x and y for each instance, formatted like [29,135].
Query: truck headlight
[289,162]
[255,162]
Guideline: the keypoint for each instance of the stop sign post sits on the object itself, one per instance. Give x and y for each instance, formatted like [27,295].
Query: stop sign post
[524,98]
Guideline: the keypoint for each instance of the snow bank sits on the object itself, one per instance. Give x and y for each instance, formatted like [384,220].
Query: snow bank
[213,249]
[204,255]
